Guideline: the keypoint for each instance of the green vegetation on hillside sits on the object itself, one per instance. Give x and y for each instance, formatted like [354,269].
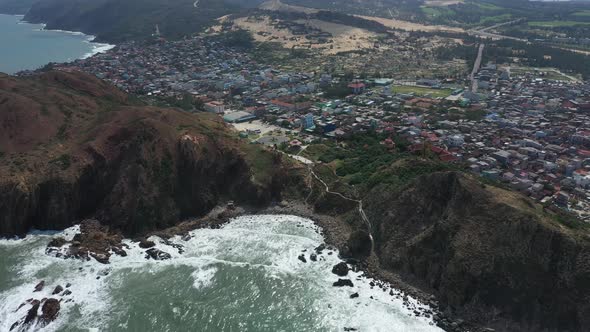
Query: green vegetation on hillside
[364,162]
[554,24]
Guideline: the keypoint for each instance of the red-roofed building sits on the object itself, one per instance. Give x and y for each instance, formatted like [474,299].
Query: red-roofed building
[357,87]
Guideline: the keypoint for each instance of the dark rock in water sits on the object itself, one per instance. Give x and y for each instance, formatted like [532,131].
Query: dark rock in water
[157,254]
[68,285]
[340,269]
[119,251]
[187,237]
[391,292]
[320,248]
[302,258]
[313,257]
[13,326]
[40,286]
[58,289]
[50,310]
[32,313]
[57,242]
[67,292]
[350,329]
[145,244]
[354,296]
[343,282]
[101,258]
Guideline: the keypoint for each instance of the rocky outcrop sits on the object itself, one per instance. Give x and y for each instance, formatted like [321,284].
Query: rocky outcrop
[490,255]
[74,147]
[340,269]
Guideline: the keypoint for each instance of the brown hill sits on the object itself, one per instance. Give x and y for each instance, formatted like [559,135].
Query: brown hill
[73,147]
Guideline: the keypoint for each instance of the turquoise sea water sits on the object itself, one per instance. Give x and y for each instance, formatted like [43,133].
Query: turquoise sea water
[28,46]
[243,277]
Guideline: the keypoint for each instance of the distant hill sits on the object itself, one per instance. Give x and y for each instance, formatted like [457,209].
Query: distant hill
[15,7]
[114,21]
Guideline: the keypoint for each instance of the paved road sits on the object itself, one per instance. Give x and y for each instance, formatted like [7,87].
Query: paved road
[476,66]
[484,31]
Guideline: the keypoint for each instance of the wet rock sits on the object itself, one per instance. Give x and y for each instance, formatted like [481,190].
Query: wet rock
[66,292]
[187,237]
[313,257]
[50,310]
[57,242]
[340,269]
[119,251]
[40,286]
[68,285]
[145,244]
[320,248]
[13,326]
[58,289]
[32,313]
[101,258]
[342,283]
[354,296]
[302,258]
[350,329]
[157,254]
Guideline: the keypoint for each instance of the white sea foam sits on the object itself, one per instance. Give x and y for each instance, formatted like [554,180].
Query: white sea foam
[263,243]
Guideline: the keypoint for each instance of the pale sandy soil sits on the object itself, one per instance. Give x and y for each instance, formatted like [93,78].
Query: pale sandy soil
[277,5]
[409,26]
[345,38]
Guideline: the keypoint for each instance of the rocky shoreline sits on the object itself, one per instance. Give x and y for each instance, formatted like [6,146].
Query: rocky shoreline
[96,241]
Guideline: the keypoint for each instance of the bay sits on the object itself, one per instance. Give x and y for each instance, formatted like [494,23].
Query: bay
[25,46]
[245,276]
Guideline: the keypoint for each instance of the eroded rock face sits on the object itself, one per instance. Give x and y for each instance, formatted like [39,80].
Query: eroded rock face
[49,310]
[157,254]
[486,253]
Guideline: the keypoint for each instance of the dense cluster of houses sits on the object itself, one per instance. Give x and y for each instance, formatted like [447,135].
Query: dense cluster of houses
[533,134]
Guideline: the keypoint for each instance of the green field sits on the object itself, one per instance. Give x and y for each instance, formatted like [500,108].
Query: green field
[582,13]
[496,19]
[422,91]
[437,11]
[486,5]
[556,24]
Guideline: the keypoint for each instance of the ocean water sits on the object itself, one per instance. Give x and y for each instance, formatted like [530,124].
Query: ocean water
[28,46]
[243,277]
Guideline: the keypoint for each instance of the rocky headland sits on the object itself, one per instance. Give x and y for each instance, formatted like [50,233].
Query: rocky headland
[75,150]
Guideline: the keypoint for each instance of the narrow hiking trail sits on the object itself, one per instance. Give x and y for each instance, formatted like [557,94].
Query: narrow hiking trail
[362,213]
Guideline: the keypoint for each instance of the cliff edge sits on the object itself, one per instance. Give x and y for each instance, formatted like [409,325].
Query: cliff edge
[74,147]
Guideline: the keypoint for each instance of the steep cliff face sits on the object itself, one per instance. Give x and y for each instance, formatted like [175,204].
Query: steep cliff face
[489,254]
[74,147]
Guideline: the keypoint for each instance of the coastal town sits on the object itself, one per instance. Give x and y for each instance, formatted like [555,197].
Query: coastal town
[526,128]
